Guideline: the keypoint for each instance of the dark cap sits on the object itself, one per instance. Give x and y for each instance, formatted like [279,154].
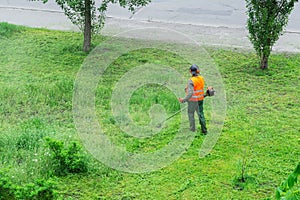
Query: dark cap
[194,69]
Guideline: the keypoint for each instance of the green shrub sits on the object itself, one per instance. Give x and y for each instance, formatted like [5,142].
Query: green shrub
[41,189]
[289,189]
[6,191]
[70,159]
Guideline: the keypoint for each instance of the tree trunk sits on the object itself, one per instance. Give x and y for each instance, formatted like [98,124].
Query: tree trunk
[264,62]
[87,26]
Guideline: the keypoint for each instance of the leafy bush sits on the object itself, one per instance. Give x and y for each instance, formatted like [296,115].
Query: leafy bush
[41,189]
[70,159]
[6,191]
[289,189]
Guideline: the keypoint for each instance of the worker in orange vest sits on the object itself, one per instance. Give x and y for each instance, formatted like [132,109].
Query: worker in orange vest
[195,96]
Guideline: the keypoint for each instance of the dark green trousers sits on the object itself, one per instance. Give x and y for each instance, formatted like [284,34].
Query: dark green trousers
[198,107]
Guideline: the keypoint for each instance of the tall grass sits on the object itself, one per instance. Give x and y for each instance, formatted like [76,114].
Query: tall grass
[7,30]
[35,97]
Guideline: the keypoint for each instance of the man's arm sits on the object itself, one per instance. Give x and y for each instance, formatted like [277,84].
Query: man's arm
[190,91]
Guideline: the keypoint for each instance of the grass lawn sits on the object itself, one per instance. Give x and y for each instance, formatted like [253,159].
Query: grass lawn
[260,141]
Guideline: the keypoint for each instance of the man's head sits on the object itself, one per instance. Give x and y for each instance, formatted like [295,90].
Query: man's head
[194,69]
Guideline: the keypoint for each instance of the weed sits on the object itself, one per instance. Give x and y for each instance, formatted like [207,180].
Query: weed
[32,135]
[70,159]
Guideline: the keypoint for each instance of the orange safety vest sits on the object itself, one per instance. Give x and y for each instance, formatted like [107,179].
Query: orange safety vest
[198,93]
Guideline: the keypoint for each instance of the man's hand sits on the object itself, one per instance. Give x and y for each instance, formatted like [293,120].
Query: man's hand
[180,100]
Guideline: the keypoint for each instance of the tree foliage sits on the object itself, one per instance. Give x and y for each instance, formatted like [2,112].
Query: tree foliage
[289,189]
[266,21]
[90,18]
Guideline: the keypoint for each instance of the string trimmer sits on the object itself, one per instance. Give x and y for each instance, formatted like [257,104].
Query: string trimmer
[209,92]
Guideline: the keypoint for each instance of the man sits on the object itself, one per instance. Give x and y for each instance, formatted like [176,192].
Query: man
[194,97]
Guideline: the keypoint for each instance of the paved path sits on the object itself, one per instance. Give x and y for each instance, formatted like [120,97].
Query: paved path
[217,22]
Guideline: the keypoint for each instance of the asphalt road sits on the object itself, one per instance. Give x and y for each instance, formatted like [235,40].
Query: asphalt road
[216,22]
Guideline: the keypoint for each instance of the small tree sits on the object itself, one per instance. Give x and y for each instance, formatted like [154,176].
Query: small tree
[83,13]
[266,21]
